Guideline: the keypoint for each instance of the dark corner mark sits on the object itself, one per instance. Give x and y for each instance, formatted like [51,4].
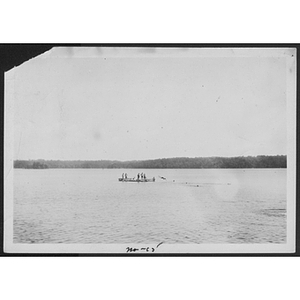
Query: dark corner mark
[13,55]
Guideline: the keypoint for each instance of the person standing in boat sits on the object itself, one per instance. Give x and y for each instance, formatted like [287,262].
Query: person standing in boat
[125,175]
[144,176]
[122,175]
[138,176]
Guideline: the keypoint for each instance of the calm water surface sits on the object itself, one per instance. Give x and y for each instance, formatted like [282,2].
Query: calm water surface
[191,206]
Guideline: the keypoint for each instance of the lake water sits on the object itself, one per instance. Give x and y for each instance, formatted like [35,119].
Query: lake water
[191,206]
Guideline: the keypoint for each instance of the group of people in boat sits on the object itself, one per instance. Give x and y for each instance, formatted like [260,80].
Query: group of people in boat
[139,176]
[142,176]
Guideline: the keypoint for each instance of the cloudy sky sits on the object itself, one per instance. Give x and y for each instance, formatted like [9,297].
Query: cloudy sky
[127,104]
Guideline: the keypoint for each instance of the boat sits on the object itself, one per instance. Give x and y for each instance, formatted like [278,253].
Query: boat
[137,180]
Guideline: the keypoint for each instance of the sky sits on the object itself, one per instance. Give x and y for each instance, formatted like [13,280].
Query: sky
[147,103]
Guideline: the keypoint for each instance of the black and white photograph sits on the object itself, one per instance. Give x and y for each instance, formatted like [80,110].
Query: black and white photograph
[151,150]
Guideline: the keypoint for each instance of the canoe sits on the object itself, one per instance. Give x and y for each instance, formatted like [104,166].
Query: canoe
[137,180]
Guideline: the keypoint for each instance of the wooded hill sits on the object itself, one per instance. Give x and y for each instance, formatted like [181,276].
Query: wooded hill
[262,161]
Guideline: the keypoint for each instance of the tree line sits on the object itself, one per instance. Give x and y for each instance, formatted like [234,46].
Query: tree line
[242,162]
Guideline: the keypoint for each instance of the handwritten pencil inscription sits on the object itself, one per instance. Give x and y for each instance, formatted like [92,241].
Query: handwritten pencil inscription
[142,249]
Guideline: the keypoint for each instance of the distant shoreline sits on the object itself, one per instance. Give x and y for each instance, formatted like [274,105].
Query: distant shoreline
[239,162]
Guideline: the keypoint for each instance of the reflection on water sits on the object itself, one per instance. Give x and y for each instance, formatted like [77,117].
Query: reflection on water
[191,206]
